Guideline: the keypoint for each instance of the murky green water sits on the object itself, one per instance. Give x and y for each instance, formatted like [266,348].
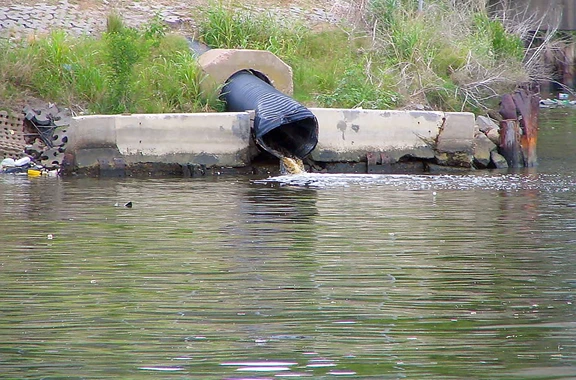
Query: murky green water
[379,277]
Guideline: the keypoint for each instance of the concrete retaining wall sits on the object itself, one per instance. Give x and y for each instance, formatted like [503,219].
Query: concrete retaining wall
[207,139]
[224,140]
[349,134]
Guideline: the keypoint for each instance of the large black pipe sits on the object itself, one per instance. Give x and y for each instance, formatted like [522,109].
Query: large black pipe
[282,126]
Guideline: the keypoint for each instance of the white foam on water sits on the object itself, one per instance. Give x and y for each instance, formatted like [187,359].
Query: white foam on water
[416,182]
[259,364]
[263,369]
[162,369]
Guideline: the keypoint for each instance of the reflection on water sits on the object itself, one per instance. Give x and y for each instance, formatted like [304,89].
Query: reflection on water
[352,276]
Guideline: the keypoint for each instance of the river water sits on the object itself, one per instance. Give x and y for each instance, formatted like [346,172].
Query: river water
[369,277]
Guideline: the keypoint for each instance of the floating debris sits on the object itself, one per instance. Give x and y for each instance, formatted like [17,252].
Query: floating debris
[128,205]
[557,103]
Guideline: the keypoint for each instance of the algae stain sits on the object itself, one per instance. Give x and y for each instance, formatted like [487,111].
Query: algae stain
[342,127]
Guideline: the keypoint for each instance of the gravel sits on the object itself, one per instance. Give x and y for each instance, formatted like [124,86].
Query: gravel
[27,19]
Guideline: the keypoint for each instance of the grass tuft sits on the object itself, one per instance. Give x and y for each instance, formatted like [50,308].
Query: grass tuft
[127,70]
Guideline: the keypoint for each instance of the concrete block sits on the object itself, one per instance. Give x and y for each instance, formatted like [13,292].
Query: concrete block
[211,139]
[348,135]
[95,131]
[90,157]
[202,138]
[457,133]
[220,64]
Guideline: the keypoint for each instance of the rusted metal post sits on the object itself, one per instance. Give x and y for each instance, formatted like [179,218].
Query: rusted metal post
[519,129]
[510,143]
[529,139]
[527,106]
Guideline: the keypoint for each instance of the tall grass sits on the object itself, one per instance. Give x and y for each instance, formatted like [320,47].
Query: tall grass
[236,28]
[127,70]
[451,55]
[331,68]
[53,67]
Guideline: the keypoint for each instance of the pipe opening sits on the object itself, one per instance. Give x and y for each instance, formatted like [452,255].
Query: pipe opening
[295,139]
[258,75]
[282,126]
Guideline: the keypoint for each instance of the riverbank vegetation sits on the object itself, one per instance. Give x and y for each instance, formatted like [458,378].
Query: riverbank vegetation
[446,56]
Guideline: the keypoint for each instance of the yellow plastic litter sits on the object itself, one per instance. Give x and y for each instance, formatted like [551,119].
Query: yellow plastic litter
[34,173]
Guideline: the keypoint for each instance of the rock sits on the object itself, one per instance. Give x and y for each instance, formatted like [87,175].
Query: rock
[494,136]
[482,150]
[498,160]
[485,123]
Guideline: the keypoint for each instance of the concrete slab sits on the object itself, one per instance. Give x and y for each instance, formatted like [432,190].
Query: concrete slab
[87,157]
[211,139]
[94,131]
[220,64]
[349,134]
[457,133]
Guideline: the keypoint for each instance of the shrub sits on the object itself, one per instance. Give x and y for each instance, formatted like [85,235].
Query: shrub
[451,55]
[124,48]
[503,44]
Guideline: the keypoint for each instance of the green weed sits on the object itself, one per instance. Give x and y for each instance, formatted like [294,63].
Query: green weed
[233,28]
[502,44]
[124,48]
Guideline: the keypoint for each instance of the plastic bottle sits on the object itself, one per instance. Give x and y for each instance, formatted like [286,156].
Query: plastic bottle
[7,163]
[22,161]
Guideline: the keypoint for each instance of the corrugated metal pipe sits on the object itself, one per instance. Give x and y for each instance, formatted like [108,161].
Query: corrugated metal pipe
[282,126]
